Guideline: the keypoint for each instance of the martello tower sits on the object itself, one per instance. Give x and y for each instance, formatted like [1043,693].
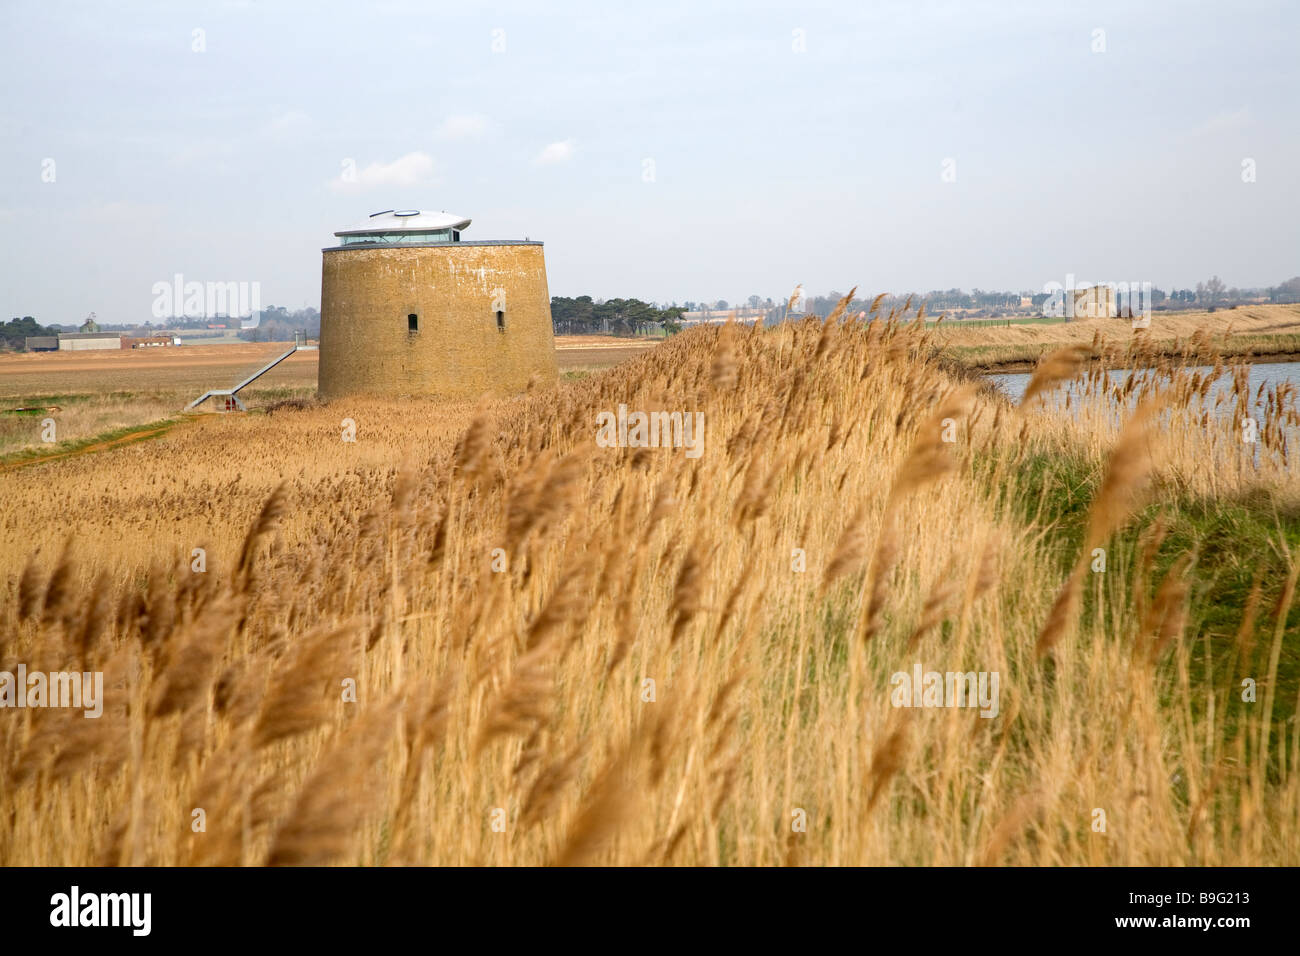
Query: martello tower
[409,308]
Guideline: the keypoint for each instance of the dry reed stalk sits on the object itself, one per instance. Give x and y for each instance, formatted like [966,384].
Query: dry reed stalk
[1275,654]
[307,687]
[525,702]
[95,618]
[405,488]
[324,823]
[1167,616]
[567,606]
[267,520]
[932,612]
[886,761]
[688,589]
[883,559]
[1127,471]
[58,588]
[187,670]
[929,458]
[1054,368]
[1013,823]
[548,788]
[610,800]
[838,312]
[473,453]
[1245,638]
[850,550]
[1060,619]
[220,793]
[29,589]
[1151,540]
[726,363]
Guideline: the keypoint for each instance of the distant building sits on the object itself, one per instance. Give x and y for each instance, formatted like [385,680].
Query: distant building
[42,343]
[84,341]
[744,316]
[1083,302]
[1094,302]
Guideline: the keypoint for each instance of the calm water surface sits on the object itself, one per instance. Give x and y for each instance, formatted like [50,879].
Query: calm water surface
[1014,383]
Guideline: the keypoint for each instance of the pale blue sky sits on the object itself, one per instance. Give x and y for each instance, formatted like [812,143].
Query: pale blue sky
[771,166]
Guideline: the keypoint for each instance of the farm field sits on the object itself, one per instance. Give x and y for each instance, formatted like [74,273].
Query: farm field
[196,368]
[99,392]
[476,636]
[589,353]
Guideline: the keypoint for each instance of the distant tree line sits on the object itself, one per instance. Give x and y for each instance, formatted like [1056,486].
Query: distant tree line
[587,316]
[1288,291]
[584,315]
[1211,294]
[14,332]
[278,324]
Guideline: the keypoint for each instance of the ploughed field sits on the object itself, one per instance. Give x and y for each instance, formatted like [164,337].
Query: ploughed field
[476,634]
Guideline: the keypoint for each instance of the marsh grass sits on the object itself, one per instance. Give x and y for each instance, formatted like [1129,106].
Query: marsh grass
[505,718]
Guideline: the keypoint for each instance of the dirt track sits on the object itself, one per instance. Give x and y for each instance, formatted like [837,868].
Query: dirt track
[155,430]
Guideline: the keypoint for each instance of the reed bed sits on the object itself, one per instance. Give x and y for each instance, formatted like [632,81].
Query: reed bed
[475,637]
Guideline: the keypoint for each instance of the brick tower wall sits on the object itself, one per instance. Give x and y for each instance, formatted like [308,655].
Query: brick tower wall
[455,290]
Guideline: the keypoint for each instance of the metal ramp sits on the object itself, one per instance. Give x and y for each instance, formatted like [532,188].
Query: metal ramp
[231,395]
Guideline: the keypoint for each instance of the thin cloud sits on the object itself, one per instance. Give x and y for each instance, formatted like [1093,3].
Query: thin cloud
[560,152]
[1225,122]
[289,124]
[461,127]
[123,212]
[412,169]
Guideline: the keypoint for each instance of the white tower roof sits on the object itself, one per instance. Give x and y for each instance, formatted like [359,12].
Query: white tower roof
[406,220]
